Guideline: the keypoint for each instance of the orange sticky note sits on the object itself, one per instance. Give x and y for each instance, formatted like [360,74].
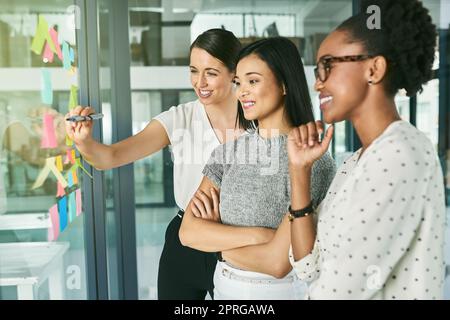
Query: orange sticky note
[74,176]
[48,132]
[53,231]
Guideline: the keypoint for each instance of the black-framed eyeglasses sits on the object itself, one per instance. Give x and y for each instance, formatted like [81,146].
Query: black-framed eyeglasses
[323,67]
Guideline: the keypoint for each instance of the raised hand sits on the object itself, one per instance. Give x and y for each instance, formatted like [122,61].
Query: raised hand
[79,131]
[304,144]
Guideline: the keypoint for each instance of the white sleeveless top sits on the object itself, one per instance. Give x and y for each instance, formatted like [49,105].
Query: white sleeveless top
[192,140]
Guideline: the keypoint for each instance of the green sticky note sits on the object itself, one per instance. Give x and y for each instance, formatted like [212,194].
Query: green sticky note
[80,165]
[73,99]
[42,35]
[69,142]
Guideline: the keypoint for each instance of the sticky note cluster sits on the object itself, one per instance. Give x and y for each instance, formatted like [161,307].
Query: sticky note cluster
[63,213]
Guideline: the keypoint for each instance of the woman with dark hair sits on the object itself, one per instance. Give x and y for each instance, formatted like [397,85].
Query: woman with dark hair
[246,181]
[192,130]
[380,231]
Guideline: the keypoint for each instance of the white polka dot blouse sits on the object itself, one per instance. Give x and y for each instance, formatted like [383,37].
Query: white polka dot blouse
[380,229]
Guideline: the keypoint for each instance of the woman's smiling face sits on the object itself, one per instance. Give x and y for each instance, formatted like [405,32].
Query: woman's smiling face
[257,88]
[346,85]
[210,78]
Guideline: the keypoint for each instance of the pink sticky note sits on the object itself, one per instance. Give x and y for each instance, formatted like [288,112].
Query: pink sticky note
[48,132]
[53,231]
[47,56]
[78,200]
[60,190]
[68,154]
[48,52]
[54,35]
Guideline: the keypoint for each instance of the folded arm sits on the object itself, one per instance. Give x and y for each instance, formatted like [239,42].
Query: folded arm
[212,236]
[269,258]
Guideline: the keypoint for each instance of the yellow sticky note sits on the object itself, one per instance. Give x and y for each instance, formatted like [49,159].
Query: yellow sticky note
[49,166]
[41,177]
[59,163]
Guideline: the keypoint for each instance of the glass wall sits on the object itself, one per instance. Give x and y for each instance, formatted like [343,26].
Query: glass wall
[42,248]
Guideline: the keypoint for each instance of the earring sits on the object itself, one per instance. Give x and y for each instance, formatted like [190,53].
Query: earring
[370,82]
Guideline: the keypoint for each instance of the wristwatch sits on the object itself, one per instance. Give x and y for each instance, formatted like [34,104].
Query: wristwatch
[302,212]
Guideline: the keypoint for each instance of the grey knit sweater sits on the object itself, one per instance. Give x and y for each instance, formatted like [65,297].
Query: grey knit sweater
[253,177]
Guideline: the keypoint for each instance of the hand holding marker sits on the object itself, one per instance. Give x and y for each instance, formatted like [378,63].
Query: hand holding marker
[79,124]
[94,116]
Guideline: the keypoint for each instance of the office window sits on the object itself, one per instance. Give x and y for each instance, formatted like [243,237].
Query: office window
[42,248]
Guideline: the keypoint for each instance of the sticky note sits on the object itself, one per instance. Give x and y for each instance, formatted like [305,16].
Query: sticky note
[72,206]
[41,36]
[69,142]
[53,231]
[62,209]
[60,190]
[78,201]
[48,52]
[73,99]
[80,165]
[59,163]
[47,56]
[74,176]
[68,56]
[46,87]
[67,159]
[71,55]
[54,36]
[48,132]
[70,178]
[49,167]
[72,156]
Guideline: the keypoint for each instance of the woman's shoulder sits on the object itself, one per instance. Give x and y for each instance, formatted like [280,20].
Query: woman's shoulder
[402,141]
[182,116]
[186,109]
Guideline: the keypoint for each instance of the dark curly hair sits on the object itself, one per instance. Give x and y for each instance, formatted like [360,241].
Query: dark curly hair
[406,39]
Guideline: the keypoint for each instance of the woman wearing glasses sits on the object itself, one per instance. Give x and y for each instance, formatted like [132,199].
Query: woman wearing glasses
[380,231]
